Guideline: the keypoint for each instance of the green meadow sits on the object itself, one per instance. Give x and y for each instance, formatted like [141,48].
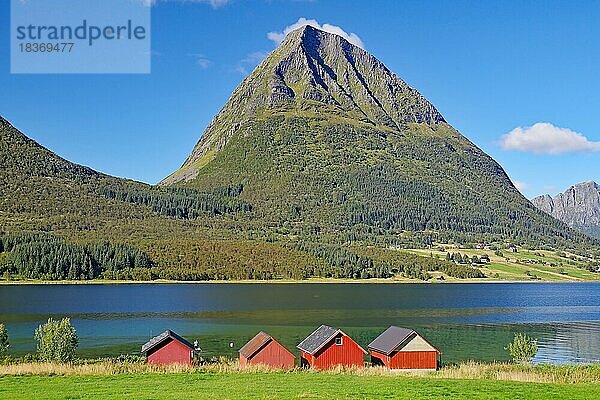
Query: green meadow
[281,385]
[227,380]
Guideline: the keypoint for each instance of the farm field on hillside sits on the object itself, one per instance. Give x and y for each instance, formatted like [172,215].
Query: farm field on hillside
[525,265]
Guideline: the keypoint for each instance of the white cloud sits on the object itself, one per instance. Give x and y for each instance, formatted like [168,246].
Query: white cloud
[250,61]
[201,60]
[353,38]
[545,138]
[521,186]
[212,3]
[255,57]
[241,70]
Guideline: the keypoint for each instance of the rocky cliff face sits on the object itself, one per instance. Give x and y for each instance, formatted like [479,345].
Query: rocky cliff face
[313,72]
[578,206]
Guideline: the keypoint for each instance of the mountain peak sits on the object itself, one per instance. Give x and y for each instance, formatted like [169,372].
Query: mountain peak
[305,32]
[310,36]
[317,73]
[587,184]
[578,206]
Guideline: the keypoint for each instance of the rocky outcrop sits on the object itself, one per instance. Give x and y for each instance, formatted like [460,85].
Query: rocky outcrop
[578,206]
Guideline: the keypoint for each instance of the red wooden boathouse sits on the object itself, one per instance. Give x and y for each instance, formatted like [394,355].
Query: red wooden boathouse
[168,348]
[327,347]
[402,348]
[263,349]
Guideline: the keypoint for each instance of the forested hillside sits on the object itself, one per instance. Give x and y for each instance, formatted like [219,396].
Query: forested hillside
[322,164]
[59,220]
[323,134]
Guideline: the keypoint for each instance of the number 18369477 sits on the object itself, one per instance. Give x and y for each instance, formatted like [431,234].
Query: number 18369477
[34,47]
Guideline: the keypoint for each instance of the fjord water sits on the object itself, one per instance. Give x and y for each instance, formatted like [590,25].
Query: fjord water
[465,321]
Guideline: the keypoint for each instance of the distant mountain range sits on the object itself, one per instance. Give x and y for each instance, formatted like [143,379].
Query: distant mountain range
[578,207]
[319,153]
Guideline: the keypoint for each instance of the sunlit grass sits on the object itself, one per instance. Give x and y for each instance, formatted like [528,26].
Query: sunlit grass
[226,380]
[468,370]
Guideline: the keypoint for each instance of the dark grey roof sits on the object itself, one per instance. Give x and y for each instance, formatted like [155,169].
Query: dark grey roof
[317,339]
[390,339]
[168,334]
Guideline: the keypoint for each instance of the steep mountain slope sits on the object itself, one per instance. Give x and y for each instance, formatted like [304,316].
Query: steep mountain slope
[36,184]
[313,73]
[323,135]
[578,207]
[98,226]
[186,233]
[42,189]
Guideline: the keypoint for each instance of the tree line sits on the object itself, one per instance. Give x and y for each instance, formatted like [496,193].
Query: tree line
[183,203]
[417,266]
[45,256]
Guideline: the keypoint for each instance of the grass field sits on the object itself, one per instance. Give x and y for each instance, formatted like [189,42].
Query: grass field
[280,385]
[521,266]
[229,381]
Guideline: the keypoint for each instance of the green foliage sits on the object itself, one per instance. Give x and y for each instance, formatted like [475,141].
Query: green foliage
[4,343]
[184,203]
[292,195]
[336,174]
[45,256]
[201,259]
[56,340]
[342,263]
[523,348]
[415,266]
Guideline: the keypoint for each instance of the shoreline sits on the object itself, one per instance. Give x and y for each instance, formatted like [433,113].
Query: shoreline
[324,281]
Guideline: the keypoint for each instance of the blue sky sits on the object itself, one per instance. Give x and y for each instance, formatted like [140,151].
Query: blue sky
[489,67]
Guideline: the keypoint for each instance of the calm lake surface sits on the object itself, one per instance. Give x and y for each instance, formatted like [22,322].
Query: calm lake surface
[465,321]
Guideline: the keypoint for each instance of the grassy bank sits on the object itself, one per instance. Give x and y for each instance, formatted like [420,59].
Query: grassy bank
[391,281]
[253,281]
[572,374]
[227,381]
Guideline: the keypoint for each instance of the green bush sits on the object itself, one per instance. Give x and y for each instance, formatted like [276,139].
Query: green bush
[4,344]
[56,340]
[523,348]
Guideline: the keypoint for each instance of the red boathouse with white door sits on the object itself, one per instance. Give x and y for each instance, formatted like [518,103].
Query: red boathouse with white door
[402,348]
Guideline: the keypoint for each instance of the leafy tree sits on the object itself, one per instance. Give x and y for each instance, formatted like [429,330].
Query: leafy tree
[4,344]
[56,340]
[523,348]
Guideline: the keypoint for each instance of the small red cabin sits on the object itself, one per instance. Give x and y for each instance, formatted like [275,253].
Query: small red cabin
[168,348]
[327,347]
[263,349]
[401,348]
